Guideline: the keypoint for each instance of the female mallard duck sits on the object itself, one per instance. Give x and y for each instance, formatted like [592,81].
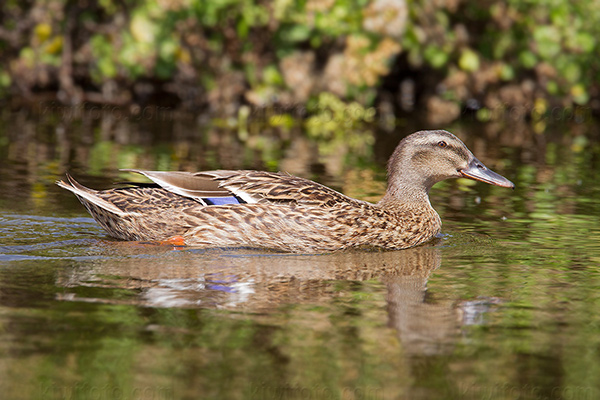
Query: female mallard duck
[283,212]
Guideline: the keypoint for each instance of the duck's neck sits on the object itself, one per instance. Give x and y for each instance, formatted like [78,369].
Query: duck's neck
[404,191]
[408,184]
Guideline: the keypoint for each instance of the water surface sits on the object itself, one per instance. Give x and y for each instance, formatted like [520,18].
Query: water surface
[503,305]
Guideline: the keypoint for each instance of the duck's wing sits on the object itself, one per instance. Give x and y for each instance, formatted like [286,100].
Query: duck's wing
[248,186]
[185,184]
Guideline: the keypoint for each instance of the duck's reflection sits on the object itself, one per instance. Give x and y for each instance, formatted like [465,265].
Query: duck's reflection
[257,283]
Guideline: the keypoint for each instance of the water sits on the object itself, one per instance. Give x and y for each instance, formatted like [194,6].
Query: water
[503,305]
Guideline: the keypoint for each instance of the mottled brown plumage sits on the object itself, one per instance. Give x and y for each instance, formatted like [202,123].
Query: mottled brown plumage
[285,212]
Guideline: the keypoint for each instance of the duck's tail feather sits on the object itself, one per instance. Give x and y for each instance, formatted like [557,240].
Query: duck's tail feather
[87,195]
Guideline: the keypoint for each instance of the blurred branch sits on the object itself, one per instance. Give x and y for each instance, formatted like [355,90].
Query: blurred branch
[67,92]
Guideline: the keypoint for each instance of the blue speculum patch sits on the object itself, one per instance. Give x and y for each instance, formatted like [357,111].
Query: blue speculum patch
[220,201]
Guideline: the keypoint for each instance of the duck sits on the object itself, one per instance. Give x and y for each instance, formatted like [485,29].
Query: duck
[283,212]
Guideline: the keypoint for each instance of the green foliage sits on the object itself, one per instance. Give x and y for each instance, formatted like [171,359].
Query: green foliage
[5,81]
[332,115]
[555,42]
[238,51]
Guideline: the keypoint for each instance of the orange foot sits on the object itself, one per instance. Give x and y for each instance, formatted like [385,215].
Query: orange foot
[173,241]
[177,241]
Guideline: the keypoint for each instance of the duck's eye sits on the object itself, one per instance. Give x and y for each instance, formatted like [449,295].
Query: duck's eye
[442,144]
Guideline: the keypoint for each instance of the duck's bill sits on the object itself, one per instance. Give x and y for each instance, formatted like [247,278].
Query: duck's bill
[479,172]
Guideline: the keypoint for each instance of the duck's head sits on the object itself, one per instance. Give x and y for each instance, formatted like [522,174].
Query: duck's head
[427,157]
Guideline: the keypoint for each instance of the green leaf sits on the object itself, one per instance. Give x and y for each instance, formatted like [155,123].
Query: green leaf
[296,33]
[548,40]
[107,67]
[572,72]
[242,29]
[552,87]
[435,56]
[5,79]
[585,42]
[271,75]
[580,94]
[507,73]
[468,61]
[528,59]
[142,28]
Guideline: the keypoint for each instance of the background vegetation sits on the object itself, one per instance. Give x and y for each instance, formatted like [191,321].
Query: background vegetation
[306,58]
